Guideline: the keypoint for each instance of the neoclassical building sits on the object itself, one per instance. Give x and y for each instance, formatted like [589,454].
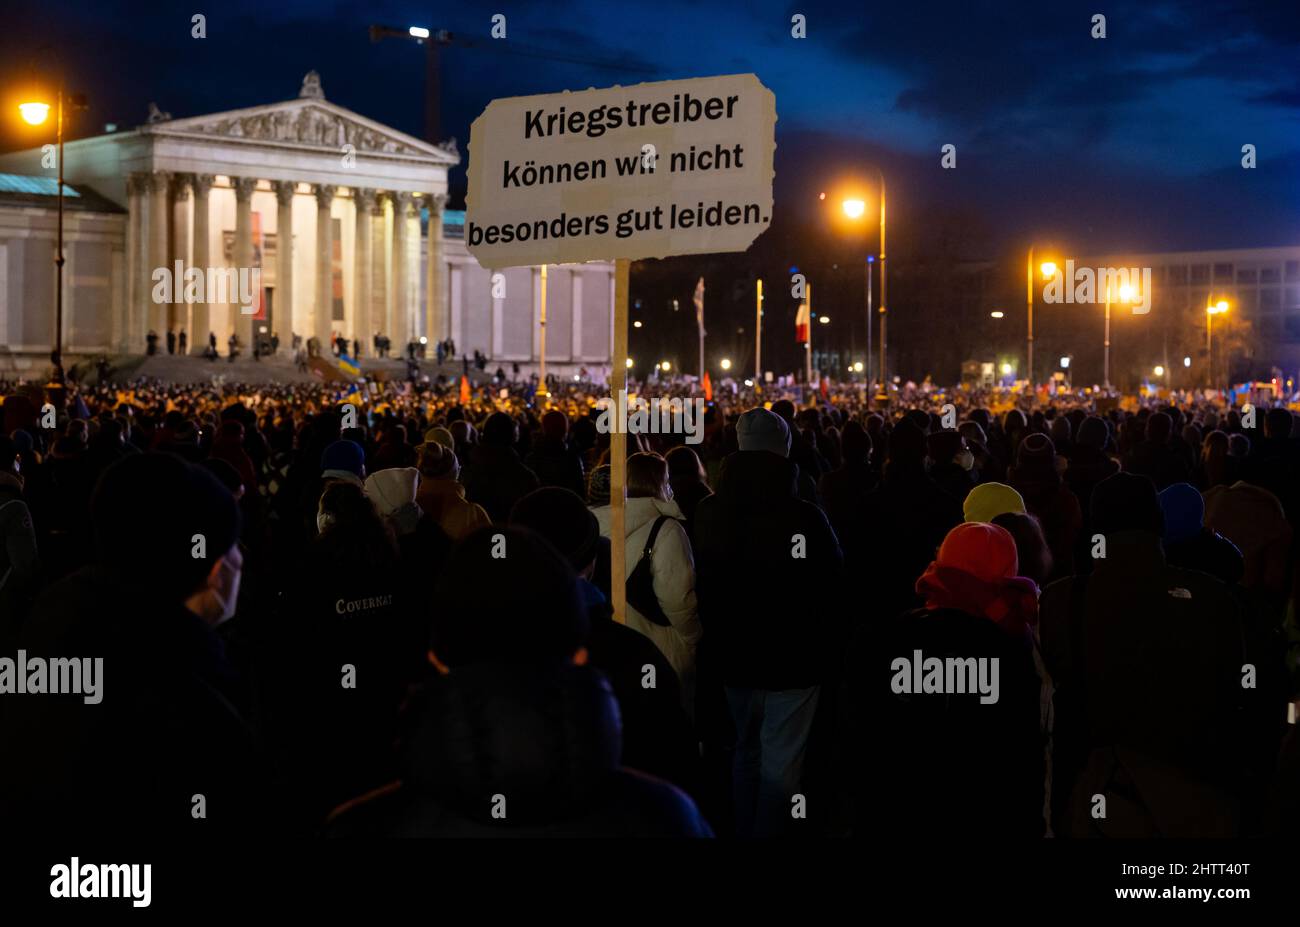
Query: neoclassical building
[343,218]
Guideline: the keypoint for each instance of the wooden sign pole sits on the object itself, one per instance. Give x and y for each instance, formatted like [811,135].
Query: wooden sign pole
[618,447]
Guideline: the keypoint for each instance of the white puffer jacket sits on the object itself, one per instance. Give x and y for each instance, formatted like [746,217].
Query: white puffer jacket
[673,567]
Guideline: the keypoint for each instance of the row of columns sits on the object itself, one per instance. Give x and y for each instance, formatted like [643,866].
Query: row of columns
[152,196]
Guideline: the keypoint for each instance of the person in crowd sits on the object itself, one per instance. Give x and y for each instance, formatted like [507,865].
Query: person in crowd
[664,607]
[1032,552]
[421,542]
[1037,477]
[442,496]
[951,462]
[494,476]
[538,743]
[919,514]
[844,490]
[657,735]
[1252,520]
[157,743]
[20,564]
[338,656]
[769,568]
[688,482]
[1147,663]
[553,459]
[1189,544]
[980,610]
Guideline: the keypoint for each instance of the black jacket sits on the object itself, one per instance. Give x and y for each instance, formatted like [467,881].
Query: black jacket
[510,751]
[557,464]
[771,617]
[168,727]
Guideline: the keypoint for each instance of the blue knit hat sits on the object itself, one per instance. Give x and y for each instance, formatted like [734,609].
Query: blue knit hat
[1184,510]
[761,430]
[344,456]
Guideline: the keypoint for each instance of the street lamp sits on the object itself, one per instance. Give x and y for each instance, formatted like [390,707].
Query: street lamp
[629,363]
[665,366]
[854,209]
[824,319]
[1125,295]
[1048,270]
[1211,310]
[36,112]
[726,363]
[1159,371]
[996,314]
[1065,362]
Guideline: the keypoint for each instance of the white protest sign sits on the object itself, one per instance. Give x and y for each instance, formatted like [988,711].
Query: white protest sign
[673,167]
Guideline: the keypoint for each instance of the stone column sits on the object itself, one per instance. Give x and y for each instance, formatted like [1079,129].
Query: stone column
[401,321]
[379,243]
[160,183]
[363,285]
[137,253]
[284,192]
[177,314]
[434,316]
[201,318]
[324,324]
[243,322]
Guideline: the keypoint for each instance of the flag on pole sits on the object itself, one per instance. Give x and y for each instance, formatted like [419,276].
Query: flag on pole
[699,306]
[349,365]
[801,324]
[464,391]
[708,388]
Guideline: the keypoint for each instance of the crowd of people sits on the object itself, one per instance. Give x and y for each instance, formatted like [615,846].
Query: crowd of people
[390,612]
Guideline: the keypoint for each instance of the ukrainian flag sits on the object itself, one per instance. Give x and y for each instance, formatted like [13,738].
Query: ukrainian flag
[354,396]
[349,366]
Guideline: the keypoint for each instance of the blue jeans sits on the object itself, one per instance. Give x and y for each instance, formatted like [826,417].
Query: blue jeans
[771,737]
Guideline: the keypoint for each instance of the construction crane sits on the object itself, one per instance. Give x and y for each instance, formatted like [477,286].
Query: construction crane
[437,39]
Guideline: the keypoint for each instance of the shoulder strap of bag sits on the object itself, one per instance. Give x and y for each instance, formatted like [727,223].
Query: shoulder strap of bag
[654,534]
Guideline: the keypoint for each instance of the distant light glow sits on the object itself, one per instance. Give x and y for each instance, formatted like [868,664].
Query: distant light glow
[854,208]
[665,366]
[1065,363]
[34,113]
[1187,362]
[824,319]
[423,340]
[1006,369]
[636,324]
[1125,293]
[419,32]
[857,368]
[726,363]
[629,363]
[1048,268]
[1159,371]
[996,314]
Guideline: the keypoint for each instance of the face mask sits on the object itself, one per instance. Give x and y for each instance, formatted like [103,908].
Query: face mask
[965,459]
[227,596]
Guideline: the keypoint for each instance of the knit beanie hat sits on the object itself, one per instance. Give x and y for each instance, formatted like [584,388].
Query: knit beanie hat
[761,430]
[344,459]
[1036,459]
[989,500]
[1184,511]
[598,486]
[1126,502]
[441,436]
[392,488]
[437,461]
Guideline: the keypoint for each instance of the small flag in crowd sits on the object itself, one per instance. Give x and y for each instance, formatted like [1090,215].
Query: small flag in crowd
[708,388]
[349,366]
[464,391]
[801,324]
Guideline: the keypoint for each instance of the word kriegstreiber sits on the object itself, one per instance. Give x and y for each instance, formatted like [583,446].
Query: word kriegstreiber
[538,123]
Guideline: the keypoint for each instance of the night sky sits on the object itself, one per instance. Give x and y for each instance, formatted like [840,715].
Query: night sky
[1132,142]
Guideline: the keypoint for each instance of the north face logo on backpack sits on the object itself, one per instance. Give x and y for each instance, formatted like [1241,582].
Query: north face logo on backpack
[1178,592]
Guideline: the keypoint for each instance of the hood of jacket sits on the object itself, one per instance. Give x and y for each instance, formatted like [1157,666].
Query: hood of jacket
[392,489]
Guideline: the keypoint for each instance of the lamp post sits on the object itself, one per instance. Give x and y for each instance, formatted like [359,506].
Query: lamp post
[854,209]
[1049,270]
[1211,310]
[35,113]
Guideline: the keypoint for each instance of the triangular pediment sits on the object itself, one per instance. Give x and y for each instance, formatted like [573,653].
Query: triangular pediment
[311,123]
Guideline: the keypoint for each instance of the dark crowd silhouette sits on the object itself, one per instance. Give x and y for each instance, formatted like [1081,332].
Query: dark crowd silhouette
[395,619]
